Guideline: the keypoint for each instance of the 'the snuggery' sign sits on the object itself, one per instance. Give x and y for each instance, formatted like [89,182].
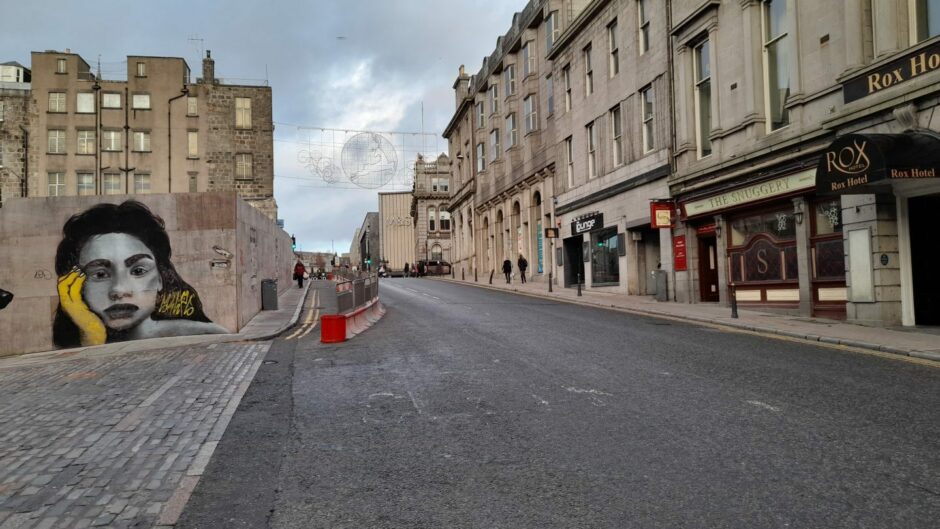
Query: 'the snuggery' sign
[900,70]
[855,162]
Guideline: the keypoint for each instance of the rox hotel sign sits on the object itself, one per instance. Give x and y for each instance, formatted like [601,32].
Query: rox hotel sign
[854,161]
[900,70]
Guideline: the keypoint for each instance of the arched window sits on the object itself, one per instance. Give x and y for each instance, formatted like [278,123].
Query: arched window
[437,254]
[445,220]
[431,219]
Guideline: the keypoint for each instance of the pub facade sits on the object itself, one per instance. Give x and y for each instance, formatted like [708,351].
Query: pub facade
[804,166]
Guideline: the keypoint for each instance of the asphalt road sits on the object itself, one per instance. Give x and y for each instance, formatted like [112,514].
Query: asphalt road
[469,408]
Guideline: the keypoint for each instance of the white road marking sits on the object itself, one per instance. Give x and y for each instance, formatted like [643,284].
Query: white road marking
[414,402]
[589,391]
[764,405]
[541,401]
[383,394]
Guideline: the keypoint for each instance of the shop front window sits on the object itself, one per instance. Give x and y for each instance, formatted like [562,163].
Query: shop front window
[763,248]
[827,245]
[605,257]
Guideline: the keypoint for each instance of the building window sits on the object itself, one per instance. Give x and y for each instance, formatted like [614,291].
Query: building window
[826,241]
[60,66]
[437,254]
[243,166]
[775,30]
[193,182]
[569,161]
[85,103]
[431,219]
[481,117]
[566,81]
[512,131]
[193,143]
[643,19]
[531,115]
[86,142]
[494,98]
[927,19]
[111,140]
[445,221]
[141,141]
[646,99]
[591,150]
[528,59]
[242,113]
[605,257]
[57,102]
[141,102]
[56,184]
[192,106]
[550,93]
[552,30]
[588,72]
[613,57]
[703,98]
[110,100]
[509,78]
[111,184]
[481,157]
[616,132]
[440,184]
[1,110]
[494,144]
[141,69]
[56,141]
[86,183]
[141,183]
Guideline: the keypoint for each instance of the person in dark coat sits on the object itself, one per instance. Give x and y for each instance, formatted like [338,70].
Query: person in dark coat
[407,270]
[523,265]
[299,271]
[507,269]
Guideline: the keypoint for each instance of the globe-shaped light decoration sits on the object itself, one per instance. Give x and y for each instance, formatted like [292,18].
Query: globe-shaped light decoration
[369,160]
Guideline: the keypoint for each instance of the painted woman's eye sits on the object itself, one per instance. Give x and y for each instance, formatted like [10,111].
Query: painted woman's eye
[99,274]
[138,271]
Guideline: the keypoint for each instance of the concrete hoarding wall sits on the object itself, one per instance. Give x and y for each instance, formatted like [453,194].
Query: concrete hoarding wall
[398,234]
[264,252]
[206,261]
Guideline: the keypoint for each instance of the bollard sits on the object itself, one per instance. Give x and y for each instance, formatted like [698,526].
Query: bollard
[475,279]
[452,272]
[734,302]
[491,276]
[579,284]
[549,281]
[463,274]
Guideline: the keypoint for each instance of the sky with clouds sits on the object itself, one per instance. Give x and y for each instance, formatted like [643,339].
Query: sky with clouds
[334,66]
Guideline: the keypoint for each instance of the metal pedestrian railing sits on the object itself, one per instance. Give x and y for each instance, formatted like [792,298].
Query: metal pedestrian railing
[354,293]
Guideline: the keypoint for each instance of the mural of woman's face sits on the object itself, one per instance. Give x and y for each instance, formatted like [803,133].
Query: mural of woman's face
[122,280]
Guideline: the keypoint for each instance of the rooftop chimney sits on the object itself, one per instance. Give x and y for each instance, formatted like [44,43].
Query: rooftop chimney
[208,68]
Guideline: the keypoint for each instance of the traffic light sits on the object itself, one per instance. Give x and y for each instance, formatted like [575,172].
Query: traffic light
[293,242]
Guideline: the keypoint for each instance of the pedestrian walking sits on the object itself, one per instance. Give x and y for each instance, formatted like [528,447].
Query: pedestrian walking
[414,271]
[523,265]
[407,270]
[299,271]
[507,269]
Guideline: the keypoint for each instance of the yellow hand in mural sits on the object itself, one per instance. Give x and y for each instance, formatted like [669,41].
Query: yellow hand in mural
[90,327]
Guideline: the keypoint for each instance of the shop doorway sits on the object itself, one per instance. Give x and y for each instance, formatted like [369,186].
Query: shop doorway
[922,213]
[574,260]
[708,268]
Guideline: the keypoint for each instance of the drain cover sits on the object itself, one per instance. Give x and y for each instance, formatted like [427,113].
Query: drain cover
[269,362]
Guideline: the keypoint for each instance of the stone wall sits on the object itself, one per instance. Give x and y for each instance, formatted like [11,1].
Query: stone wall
[221,247]
[15,102]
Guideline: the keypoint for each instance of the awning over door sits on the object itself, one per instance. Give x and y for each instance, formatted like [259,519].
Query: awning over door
[865,163]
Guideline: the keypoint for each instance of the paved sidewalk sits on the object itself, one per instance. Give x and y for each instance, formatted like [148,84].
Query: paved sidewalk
[907,342]
[97,437]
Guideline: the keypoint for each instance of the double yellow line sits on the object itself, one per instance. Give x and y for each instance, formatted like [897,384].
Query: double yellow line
[310,321]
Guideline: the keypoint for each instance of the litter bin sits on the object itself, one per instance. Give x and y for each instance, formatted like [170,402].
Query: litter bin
[269,294]
[662,291]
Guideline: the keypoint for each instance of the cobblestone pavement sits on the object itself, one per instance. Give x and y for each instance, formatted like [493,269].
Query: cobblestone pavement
[116,440]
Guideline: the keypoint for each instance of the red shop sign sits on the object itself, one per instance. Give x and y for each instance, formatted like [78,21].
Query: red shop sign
[662,214]
[706,229]
[678,253]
